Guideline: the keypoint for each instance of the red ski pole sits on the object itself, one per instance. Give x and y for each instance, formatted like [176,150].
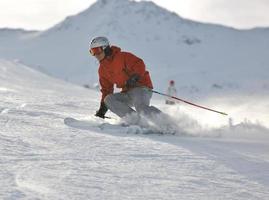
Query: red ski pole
[189,102]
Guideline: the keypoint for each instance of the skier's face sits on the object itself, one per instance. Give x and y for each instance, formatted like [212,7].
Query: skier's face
[100,56]
[98,52]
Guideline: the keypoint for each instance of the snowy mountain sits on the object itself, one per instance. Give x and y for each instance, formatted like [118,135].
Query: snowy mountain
[201,58]
[42,158]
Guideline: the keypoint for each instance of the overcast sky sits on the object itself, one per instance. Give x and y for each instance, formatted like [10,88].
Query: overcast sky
[42,14]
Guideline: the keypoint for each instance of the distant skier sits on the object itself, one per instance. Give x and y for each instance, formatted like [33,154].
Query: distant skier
[128,72]
[171,91]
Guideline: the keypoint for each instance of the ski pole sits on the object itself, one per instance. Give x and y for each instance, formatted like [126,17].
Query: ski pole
[188,102]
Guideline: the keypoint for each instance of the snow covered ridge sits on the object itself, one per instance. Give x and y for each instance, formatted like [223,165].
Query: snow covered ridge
[42,158]
[14,72]
[201,58]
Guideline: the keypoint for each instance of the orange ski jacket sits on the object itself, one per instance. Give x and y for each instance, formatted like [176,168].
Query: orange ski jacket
[118,68]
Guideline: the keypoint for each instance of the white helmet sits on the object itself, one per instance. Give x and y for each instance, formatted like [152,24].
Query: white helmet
[99,42]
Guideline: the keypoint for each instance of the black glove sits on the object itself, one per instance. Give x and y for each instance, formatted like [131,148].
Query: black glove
[102,110]
[132,81]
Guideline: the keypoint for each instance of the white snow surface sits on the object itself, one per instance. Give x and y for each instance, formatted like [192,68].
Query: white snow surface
[42,158]
[210,156]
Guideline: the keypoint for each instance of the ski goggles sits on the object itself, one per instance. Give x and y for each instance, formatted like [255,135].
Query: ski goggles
[96,51]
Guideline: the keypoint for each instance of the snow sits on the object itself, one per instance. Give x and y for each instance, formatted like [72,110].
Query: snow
[42,158]
[199,155]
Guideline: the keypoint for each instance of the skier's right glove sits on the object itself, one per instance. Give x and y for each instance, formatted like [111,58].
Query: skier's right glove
[102,110]
[132,81]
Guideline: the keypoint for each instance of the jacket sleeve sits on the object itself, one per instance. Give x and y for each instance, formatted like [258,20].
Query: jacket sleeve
[106,86]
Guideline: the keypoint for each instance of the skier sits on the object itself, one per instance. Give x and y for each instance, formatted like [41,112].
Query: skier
[171,91]
[128,72]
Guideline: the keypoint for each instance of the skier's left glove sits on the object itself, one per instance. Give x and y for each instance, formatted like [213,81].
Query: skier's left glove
[102,110]
[132,81]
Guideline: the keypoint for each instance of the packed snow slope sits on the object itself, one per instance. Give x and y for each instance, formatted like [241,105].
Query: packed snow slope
[200,57]
[42,158]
